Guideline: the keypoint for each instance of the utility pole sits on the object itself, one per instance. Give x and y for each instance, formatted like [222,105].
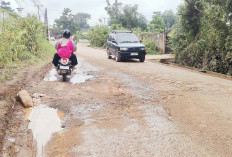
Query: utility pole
[104,21]
[46,21]
[46,17]
[38,6]
[38,12]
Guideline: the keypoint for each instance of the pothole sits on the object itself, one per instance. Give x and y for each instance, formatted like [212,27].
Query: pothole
[84,72]
[81,78]
[52,76]
[44,121]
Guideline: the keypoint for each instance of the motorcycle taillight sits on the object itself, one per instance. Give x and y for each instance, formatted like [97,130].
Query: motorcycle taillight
[65,61]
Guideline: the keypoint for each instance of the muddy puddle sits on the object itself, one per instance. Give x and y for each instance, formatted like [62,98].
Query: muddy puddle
[44,121]
[84,72]
[81,77]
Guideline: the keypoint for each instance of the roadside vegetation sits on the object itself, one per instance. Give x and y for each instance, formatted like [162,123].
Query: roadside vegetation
[151,49]
[203,35]
[23,42]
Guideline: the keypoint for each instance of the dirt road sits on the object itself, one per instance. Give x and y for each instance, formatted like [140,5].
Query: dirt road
[130,109]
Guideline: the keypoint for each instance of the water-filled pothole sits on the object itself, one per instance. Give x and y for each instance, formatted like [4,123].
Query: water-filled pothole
[44,121]
[84,72]
[80,78]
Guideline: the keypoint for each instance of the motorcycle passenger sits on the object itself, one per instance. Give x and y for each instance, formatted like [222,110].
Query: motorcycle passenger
[65,49]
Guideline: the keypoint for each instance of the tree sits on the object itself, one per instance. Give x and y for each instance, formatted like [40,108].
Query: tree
[81,19]
[191,14]
[169,18]
[142,22]
[66,21]
[203,35]
[6,6]
[127,15]
[114,11]
[130,18]
[55,31]
[98,36]
[157,24]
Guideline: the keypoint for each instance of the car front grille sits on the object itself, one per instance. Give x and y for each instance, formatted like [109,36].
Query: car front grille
[134,49]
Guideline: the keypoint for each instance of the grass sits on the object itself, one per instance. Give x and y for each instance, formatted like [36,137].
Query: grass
[46,53]
[22,44]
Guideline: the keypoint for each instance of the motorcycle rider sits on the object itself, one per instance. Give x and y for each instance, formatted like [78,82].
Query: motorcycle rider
[65,49]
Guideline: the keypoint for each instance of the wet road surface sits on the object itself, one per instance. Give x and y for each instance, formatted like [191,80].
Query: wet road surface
[132,109]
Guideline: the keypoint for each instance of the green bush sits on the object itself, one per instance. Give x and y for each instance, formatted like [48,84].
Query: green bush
[79,35]
[151,48]
[98,36]
[21,40]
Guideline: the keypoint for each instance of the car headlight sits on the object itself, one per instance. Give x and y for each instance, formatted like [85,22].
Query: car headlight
[124,49]
[143,49]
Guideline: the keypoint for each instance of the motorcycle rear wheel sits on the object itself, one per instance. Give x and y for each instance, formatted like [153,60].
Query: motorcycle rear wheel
[64,77]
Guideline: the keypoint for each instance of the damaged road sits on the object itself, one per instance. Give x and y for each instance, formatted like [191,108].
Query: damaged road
[127,109]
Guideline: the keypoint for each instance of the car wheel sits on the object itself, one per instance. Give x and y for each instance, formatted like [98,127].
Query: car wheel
[142,59]
[118,57]
[108,54]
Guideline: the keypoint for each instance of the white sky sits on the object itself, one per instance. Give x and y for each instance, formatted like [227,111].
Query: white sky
[94,7]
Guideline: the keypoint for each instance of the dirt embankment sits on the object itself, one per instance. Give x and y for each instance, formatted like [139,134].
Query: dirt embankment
[13,123]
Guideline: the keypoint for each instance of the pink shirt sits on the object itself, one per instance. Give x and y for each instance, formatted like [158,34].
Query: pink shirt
[65,51]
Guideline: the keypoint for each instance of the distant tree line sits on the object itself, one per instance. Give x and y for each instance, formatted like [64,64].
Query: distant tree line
[126,15]
[129,17]
[6,6]
[73,22]
[119,14]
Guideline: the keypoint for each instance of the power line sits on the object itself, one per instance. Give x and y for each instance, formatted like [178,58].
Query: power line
[27,8]
[22,4]
[38,4]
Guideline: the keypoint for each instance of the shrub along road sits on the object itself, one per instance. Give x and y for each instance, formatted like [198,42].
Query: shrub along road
[138,109]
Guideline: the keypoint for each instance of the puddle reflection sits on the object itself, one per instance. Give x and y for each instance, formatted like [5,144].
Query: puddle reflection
[44,121]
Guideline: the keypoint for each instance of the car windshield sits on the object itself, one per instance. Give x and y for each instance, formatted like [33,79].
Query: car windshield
[126,38]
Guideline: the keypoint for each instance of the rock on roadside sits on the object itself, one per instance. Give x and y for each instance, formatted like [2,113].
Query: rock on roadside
[25,99]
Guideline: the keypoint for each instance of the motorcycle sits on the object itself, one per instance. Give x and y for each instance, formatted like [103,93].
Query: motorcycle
[64,68]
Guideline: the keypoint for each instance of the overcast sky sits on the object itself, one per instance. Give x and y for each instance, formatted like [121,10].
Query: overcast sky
[95,7]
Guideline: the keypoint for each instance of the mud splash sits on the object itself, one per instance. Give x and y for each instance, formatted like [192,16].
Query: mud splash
[52,76]
[44,121]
